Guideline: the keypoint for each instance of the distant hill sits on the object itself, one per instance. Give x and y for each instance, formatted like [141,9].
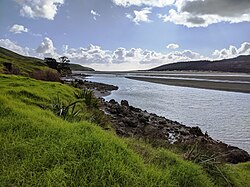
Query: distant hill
[78,67]
[239,64]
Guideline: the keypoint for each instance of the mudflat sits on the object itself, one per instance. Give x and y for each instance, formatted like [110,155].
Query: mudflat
[225,86]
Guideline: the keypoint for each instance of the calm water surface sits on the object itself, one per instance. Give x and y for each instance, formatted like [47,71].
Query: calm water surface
[224,115]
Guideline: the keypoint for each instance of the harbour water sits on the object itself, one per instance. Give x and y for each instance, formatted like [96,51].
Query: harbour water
[224,115]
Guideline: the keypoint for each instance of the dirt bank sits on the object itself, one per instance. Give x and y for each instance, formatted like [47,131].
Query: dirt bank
[233,87]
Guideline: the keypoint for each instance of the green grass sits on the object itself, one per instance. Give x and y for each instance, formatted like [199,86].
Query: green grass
[26,65]
[38,148]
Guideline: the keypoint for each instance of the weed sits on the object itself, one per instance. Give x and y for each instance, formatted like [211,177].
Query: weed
[66,111]
[88,98]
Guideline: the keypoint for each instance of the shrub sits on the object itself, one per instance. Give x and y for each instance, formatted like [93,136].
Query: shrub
[11,69]
[88,98]
[46,75]
[66,111]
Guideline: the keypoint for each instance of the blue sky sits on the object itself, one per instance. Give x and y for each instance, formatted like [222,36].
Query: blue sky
[126,34]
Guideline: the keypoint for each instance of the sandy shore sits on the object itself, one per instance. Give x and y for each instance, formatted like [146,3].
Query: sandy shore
[234,87]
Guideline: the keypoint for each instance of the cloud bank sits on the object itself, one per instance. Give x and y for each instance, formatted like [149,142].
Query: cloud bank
[8,44]
[152,3]
[121,58]
[233,51]
[201,13]
[196,13]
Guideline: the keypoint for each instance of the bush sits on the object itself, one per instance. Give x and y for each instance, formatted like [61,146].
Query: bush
[11,69]
[88,98]
[46,75]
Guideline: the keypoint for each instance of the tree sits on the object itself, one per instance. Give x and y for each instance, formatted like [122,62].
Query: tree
[51,62]
[64,59]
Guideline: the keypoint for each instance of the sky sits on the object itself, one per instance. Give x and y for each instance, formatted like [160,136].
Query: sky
[126,34]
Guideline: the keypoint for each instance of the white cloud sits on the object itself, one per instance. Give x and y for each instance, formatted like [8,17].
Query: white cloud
[126,59]
[201,13]
[17,29]
[95,14]
[91,54]
[232,51]
[47,49]
[152,3]
[39,8]
[8,44]
[186,55]
[173,46]
[129,16]
[65,48]
[244,48]
[140,16]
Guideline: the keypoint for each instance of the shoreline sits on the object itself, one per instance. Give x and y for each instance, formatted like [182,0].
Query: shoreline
[129,121]
[222,86]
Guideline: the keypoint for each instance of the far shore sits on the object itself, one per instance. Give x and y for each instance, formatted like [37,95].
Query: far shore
[224,86]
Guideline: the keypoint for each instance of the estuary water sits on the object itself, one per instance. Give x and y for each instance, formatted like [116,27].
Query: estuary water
[224,115]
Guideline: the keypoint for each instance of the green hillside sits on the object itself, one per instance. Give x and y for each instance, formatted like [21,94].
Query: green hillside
[40,147]
[21,64]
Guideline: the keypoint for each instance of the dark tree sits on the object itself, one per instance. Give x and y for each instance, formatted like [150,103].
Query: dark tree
[64,60]
[51,62]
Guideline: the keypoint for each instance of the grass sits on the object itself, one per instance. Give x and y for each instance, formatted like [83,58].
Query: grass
[26,65]
[39,148]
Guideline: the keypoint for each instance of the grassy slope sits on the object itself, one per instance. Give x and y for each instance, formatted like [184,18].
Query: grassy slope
[25,64]
[28,65]
[40,149]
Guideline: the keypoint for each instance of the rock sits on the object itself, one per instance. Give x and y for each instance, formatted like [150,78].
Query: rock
[237,155]
[130,122]
[112,101]
[112,111]
[196,131]
[124,103]
[162,122]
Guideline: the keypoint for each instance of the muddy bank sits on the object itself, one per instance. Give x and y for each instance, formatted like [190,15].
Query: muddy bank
[129,121]
[233,87]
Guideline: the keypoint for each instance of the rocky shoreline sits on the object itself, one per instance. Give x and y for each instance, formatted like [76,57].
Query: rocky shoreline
[129,121]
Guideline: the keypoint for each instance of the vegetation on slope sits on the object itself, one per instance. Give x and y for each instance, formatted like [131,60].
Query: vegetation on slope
[25,65]
[13,63]
[39,148]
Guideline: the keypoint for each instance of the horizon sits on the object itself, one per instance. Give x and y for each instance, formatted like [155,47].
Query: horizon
[124,35]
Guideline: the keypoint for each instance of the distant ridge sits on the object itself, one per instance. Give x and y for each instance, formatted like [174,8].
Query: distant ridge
[240,64]
[78,67]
